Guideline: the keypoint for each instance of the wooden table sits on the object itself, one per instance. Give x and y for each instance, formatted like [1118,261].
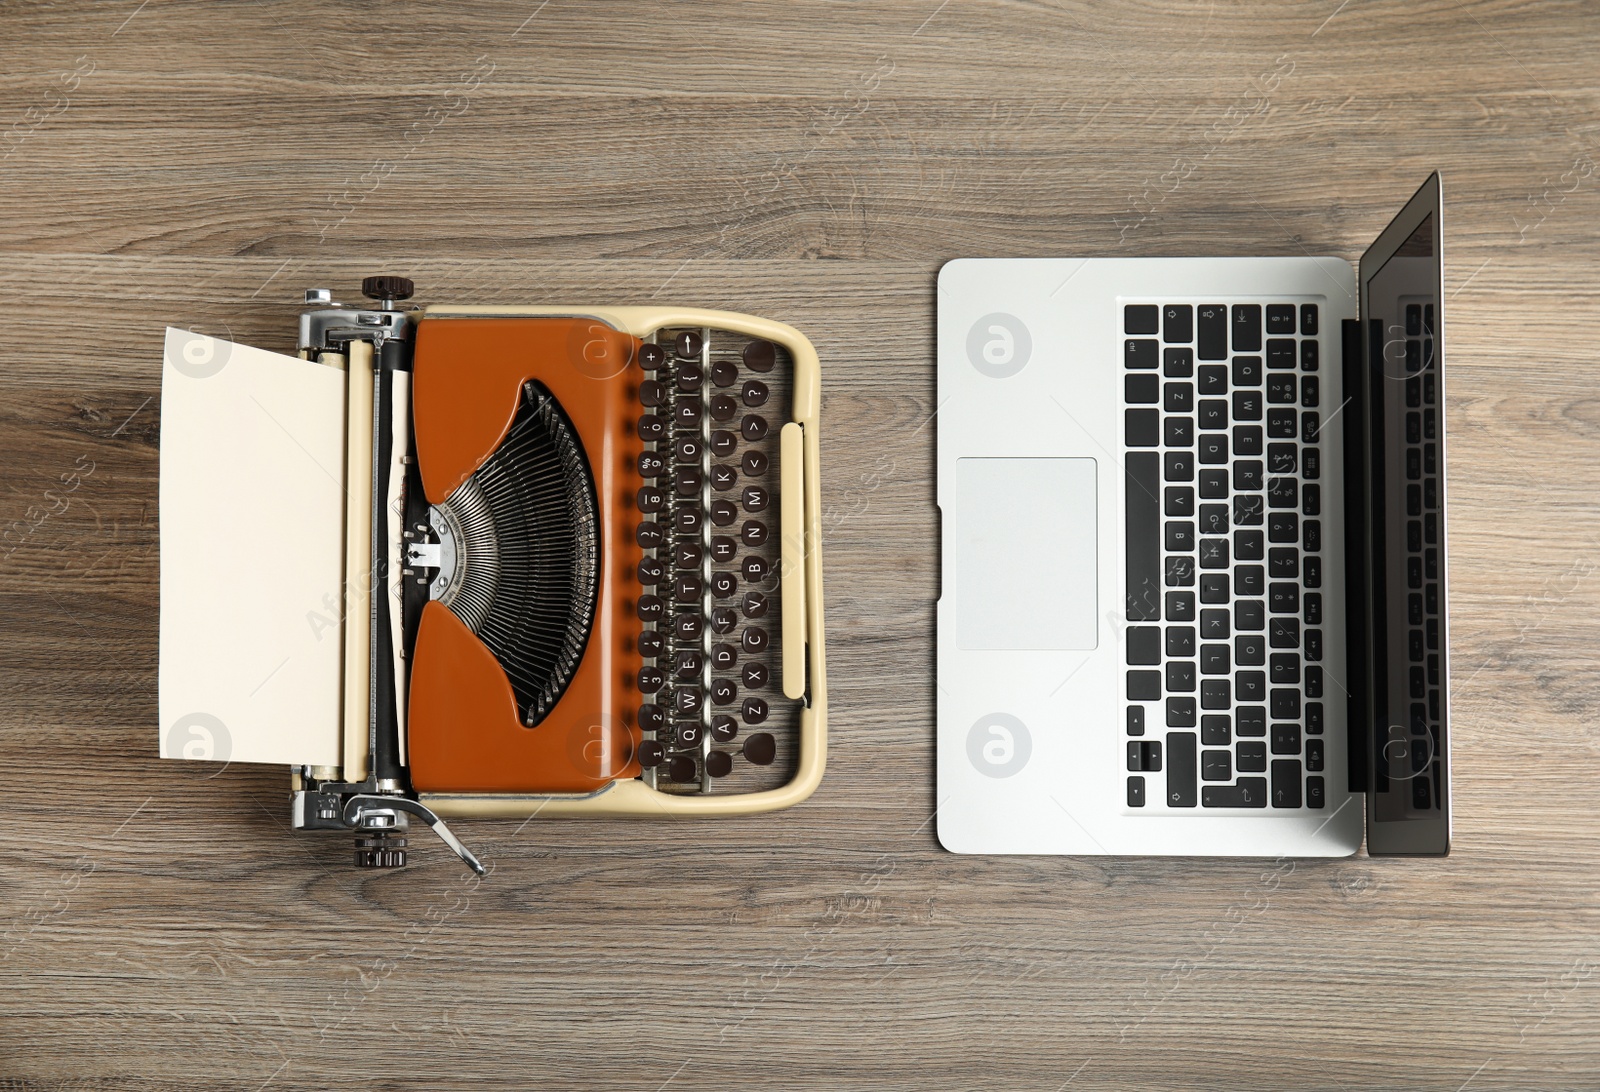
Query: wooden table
[201,164]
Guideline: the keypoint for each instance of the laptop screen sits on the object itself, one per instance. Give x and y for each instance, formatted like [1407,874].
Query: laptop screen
[1400,647]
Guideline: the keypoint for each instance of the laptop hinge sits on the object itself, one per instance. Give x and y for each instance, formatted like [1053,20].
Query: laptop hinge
[1357,544]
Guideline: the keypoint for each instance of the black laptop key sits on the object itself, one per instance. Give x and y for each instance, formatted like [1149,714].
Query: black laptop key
[1144,686]
[1250,756]
[1215,659]
[1280,318]
[1213,331]
[1214,588]
[1143,427]
[1180,572]
[1247,439]
[1179,536]
[1285,668]
[1213,414]
[1216,766]
[1249,580]
[1247,405]
[1213,519]
[1180,712]
[1308,356]
[1180,500]
[1281,388]
[1180,640]
[1316,795]
[1177,363]
[1214,730]
[1281,354]
[1142,526]
[1213,448]
[1141,389]
[1282,424]
[1250,686]
[1246,327]
[1140,353]
[1136,720]
[1308,320]
[1135,792]
[1247,792]
[1248,509]
[1247,545]
[1181,770]
[1144,644]
[1140,318]
[1179,431]
[1250,650]
[1180,606]
[1177,323]
[1310,392]
[1179,466]
[1247,475]
[1214,484]
[1247,371]
[1250,615]
[1213,378]
[1285,739]
[1314,756]
[1179,398]
[1285,782]
[1413,320]
[1285,704]
[1144,755]
[1283,492]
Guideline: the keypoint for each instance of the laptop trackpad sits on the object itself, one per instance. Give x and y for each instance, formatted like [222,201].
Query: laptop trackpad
[1025,554]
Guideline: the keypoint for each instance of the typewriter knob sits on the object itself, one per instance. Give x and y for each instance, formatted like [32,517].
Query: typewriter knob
[387,289]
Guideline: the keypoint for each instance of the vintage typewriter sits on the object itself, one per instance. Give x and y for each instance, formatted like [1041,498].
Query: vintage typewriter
[581,572]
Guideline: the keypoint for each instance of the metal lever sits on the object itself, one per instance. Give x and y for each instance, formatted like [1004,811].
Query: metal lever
[360,810]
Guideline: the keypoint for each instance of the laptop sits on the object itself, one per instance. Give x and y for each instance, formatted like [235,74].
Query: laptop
[1193,553]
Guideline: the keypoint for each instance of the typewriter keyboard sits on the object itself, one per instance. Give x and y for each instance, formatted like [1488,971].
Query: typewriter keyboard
[711,700]
[1223,463]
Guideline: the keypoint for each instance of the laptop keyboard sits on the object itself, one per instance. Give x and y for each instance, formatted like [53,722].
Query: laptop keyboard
[1223,465]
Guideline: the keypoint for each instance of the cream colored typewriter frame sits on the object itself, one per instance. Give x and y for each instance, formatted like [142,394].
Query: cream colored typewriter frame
[801,586]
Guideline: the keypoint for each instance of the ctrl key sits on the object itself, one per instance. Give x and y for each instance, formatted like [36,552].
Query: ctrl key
[1135,792]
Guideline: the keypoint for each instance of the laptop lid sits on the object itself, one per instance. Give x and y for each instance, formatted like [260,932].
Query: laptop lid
[1395,483]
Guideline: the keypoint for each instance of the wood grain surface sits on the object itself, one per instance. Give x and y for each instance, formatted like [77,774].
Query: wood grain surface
[199,164]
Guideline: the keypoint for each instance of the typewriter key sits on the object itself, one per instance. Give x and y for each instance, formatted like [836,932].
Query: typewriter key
[760,355]
[754,639]
[688,518]
[687,701]
[686,665]
[756,569]
[723,443]
[724,728]
[650,570]
[754,463]
[761,748]
[754,711]
[723,548]
[652,427]
[723,512]
[687,481]
[651,356]
[719,764]
[722,476]
[755,605]
[755,676]
[652,718]
[651,679]
[724,584]
[688,554]
[650,644]
[723,407]
[754,393]
[690,376]
[753,533]
[687,589]
[651,464]
[723,620]
[687,413]
[724,374]
[689,344]
[723,691]
[752,428]
[723,657]
[688,626]
[754,498]
[681,769]
[651,753]
[650,607]
[651,499]
[687,449]
[650,535]
[652,392]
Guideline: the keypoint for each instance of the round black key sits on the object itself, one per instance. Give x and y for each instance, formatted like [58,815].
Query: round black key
[724,728]
[687,413]
[688,626]
[719,764]
[723,620]
[756,569]
[649,535]
[755,605]
[723,657]
[690,377]
[723,443]
[755,676]
[686,482]
[761,749]
[723,512]
[651,356]
[753,427]
[651,499]
[687,665]
[650,607]
[686,700]
[689,344]
[681,769]
[651,679]
[723,549]
[688,518]
[688,733]
[754,498]
[652,717]
[723,691]
[650,570]
[652,392]
[688,449]
[724,584]
[754,393]
[754,463]
[724,374]
[651,464]
[753,533]
[754,710]
[650,644]
[723,407]
[652,426]
[723,476]
[687,589]
[688,554]
[652,753]
[760,355]
[754,639]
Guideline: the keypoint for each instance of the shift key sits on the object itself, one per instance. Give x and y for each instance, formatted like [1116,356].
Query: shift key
[1213,325]
[1181,773]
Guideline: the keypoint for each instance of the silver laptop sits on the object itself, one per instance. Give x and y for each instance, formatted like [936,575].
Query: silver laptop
[1193,553]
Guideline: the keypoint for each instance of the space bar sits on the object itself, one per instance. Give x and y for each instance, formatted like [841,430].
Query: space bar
[1142,478]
